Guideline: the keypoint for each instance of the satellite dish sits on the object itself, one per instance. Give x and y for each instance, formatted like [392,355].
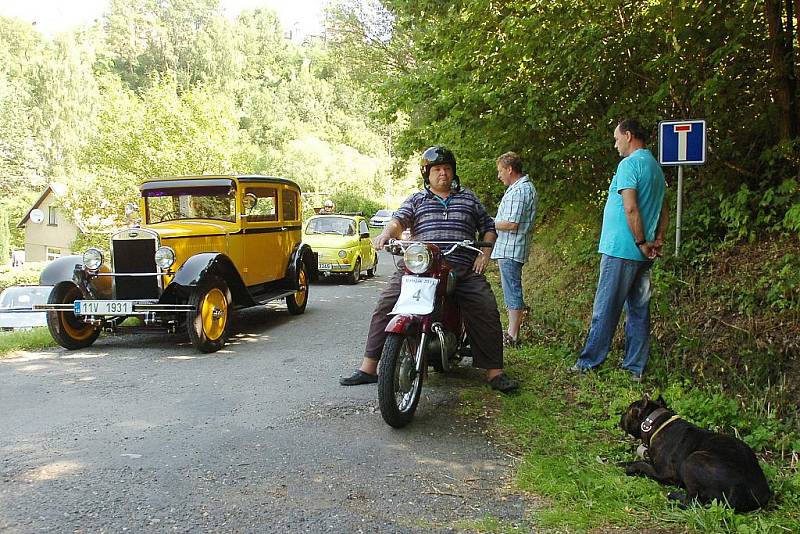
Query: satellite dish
[37,216]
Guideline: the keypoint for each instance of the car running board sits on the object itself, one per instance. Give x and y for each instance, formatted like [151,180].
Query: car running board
[269,296]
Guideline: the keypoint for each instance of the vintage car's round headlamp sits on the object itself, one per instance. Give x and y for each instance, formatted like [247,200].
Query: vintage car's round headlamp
[417,258]
[92,259]
[165,257]
[343,254]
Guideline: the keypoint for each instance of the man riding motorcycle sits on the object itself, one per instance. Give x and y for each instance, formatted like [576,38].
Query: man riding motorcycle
[444,211]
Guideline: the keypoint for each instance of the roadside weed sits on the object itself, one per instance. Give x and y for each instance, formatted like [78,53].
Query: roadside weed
[33,339]
[488,524]
[567,428]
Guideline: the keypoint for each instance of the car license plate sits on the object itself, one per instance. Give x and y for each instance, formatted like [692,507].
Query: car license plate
[103,307]
[325,266]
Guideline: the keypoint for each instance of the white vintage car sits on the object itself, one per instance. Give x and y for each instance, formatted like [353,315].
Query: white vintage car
[14,303]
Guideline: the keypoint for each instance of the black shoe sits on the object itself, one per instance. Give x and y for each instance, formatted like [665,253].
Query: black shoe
[503,383]
[358,378]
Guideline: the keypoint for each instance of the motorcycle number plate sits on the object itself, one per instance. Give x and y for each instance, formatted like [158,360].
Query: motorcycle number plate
[417,296]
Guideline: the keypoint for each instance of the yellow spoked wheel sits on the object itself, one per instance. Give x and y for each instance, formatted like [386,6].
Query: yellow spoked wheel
[297,301]
[214,314]
[208,322]
[67,329]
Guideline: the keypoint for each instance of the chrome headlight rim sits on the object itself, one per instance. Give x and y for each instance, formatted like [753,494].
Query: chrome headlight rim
[165,257]
[342,254]
[418,258]
[92,258]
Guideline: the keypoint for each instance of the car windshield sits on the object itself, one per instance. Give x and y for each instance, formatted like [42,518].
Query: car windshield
[383,213]
[175,203]
[331,225]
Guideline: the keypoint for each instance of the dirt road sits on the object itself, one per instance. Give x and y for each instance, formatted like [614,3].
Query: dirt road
[141,433]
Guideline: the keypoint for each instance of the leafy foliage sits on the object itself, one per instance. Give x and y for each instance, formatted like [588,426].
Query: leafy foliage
[5,239]
[176,88]
[349,201]
[551,79]
[567,430]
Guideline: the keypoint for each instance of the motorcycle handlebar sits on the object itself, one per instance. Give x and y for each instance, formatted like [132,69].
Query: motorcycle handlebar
[395,246]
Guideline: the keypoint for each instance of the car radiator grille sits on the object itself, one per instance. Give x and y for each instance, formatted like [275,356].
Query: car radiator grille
[135,256]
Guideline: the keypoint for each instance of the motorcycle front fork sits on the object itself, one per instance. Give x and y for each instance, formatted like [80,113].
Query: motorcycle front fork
[421,353]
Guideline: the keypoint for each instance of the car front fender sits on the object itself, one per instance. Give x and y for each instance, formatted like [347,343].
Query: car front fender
[302,252]
[70,269]
[199,266]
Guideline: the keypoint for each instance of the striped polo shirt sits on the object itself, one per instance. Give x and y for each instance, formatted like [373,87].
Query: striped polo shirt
[518,206]
[458,217]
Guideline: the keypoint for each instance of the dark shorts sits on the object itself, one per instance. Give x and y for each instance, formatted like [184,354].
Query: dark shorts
[478,308]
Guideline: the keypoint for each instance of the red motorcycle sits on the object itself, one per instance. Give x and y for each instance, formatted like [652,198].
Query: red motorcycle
[426,329]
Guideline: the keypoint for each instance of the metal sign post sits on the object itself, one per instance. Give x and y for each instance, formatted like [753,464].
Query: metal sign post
[679,212]
[681,142]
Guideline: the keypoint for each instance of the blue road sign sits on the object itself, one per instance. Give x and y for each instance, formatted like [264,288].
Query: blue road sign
[682,142]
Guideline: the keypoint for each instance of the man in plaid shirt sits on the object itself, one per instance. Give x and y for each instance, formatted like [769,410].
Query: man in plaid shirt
[514,223]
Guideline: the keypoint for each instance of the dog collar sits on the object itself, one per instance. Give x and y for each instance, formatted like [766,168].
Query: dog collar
[653,423]
[663,426]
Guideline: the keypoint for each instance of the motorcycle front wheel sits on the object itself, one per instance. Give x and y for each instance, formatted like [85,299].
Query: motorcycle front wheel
[399,383]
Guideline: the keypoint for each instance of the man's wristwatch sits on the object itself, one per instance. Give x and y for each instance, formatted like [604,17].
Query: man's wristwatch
[640,243]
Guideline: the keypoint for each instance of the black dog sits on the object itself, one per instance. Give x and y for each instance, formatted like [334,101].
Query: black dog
[707,464]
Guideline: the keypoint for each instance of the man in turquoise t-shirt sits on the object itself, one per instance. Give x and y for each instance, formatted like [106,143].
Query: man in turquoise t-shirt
[634,221]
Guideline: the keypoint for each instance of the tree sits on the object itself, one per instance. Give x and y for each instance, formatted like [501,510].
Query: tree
[550,81]
[782,26]
[166,133]
[188,40]
[20,161]
[5,239]
[63,103]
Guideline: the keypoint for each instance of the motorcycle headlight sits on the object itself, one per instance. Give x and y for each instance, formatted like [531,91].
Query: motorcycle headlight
[165,257]
[343,254]
[92,259]
[417,258]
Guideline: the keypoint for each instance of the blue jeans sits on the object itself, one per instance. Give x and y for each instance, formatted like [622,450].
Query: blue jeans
[511,280]
[622,282]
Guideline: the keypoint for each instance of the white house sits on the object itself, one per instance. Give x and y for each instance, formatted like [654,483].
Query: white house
[48,232]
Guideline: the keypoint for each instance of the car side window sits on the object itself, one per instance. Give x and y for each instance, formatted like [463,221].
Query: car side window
[362,227]
[265,206]
[289,205]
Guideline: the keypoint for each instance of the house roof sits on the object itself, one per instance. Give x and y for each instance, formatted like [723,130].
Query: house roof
[55,188]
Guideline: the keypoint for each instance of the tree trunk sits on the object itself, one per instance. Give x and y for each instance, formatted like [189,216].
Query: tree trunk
[791,66]
[783,67]
[797,24]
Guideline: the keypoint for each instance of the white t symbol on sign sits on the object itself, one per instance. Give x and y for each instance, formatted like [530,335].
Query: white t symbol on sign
[682,130]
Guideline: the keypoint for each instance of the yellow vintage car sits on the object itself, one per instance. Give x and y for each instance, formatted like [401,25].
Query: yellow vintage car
[199,247]
[342,244]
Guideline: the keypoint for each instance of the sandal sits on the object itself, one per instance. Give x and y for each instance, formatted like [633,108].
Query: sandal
[503,383]
[509,341]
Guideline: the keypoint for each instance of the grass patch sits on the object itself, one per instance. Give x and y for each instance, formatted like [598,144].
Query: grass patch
[33,339]
[488,523]
[567,428]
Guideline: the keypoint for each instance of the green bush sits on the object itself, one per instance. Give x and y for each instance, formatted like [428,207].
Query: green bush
[351,201]
[28,274]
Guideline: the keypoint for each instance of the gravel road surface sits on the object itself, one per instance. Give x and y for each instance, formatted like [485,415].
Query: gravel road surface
[141,433]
